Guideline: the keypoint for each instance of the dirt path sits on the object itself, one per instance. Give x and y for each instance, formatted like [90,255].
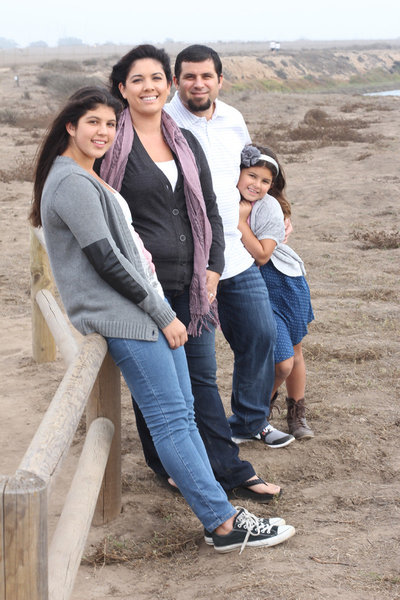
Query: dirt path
[341,490]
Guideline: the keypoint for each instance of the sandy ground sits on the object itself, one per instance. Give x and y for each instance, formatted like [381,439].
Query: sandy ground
[341,490]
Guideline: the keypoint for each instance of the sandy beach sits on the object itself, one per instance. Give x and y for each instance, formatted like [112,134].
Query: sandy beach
[341,489]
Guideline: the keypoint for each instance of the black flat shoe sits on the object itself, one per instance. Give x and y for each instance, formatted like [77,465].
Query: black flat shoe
[244,491]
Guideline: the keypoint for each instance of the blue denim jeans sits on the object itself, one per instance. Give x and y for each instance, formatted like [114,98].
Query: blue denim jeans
[158,378]
[210,416]
[248,324]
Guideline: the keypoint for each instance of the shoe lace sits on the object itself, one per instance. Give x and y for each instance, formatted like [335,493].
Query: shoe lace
[268,429]
[252,524]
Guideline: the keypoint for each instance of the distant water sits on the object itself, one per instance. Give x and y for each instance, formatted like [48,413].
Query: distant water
[388,93]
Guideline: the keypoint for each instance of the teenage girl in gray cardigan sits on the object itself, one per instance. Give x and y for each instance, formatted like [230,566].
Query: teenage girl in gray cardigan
[108,285]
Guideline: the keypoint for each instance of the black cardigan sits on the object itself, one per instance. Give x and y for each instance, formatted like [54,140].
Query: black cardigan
[160,217]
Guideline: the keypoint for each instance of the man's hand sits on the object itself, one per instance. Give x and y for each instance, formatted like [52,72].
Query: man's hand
[288,229]
[175,333]
[212,279]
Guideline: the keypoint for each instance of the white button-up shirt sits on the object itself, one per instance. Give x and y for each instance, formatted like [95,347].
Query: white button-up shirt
[222,138]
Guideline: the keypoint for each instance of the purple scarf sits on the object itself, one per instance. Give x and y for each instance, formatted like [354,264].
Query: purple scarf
[112,171]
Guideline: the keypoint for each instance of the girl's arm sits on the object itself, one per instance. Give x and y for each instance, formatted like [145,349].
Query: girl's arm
[260,250]
[267,227]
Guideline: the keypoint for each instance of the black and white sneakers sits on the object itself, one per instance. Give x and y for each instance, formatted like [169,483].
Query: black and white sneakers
[270,436]
[249,530]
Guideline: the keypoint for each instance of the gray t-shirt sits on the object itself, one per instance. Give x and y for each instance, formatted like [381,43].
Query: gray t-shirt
[267,222]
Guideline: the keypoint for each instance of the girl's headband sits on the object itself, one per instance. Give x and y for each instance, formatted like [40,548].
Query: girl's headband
[251,156]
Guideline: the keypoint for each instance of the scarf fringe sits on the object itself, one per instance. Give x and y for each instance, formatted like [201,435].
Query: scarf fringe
[197,322]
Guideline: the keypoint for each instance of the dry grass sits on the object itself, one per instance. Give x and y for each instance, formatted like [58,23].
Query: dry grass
[24,121]
[174,535]
[316,130]
[371,294]
[57,65]
[31,123]
[321,353]
[363,156]
[112,550]
[384,240]
[317,126]
[350,107]
[22,171]
[8,117]
[63,85]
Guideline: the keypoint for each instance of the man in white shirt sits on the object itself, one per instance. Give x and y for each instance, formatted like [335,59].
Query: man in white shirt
[245,313]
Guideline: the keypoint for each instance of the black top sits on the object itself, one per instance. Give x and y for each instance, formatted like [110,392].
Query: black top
[160,217]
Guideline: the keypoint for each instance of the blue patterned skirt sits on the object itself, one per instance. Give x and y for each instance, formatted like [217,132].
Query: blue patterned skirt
[291,303]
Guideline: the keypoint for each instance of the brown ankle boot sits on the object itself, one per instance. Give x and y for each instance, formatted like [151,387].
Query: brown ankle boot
[296,419]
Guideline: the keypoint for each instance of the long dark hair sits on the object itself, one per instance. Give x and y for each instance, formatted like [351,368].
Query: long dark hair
[121,69]
[56,139]
[277,189]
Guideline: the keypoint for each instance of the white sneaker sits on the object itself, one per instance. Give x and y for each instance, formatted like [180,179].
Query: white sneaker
[274,521]
[274,438]
[270,436]
[249,530]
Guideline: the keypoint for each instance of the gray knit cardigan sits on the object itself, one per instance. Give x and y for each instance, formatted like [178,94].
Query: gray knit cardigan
[95,262]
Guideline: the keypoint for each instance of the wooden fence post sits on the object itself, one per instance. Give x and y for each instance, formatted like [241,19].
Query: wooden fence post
[24,533]
[105,401]
[3,482]
[58,325]
[73,526]
[43,344]
[55,433]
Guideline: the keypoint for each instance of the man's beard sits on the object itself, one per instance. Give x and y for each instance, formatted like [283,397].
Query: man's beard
[193,107]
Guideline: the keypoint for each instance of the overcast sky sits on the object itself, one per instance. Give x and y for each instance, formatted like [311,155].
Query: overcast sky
[135,21]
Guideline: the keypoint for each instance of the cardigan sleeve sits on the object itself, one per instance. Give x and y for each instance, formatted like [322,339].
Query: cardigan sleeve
[77,204]
[216,260]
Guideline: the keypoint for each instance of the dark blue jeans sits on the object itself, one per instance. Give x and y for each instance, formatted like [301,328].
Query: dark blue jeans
[248,324]
[210,416]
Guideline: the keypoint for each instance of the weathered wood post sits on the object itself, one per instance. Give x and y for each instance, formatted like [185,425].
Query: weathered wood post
[3,481]
[58,325]
[105,401]
[23,526]
[73,526]
[43,344]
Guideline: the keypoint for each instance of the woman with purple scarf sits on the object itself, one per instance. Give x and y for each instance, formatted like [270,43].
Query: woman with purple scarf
[163,174]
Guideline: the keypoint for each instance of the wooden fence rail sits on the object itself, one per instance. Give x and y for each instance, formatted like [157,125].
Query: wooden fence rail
[30,569]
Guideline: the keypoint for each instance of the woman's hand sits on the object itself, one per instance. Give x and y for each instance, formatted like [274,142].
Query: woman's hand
[175,333]
[244,209]
[212,279]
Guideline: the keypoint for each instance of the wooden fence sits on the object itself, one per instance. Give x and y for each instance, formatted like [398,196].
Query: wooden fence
[31,567]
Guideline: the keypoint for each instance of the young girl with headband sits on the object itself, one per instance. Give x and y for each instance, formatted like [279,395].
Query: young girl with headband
[108,285]
[263,211]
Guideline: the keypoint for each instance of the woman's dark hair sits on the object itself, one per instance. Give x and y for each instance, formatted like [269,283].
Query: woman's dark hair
[121,69]
[277,189]
[57,138]
[197,53]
